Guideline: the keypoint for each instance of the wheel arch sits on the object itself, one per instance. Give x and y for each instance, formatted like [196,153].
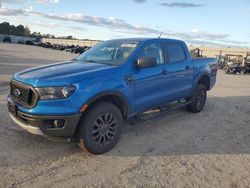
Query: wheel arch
[203,79]
[114,97]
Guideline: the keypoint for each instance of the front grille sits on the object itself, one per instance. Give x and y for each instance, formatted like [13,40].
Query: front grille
[25,118]
[23,94]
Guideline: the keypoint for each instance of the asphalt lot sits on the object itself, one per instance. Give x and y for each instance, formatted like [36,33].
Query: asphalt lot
[209,149]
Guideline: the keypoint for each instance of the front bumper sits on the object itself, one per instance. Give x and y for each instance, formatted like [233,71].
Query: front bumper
[27,127]
[42,124]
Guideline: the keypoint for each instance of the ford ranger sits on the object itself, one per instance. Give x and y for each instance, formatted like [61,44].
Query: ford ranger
[88,98]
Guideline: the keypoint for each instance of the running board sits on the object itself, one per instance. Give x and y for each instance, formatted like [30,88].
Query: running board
[157,113]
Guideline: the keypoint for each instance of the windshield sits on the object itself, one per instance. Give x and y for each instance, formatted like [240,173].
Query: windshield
[112,52]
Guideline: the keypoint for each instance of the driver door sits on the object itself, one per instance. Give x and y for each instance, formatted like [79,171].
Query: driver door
[151,88]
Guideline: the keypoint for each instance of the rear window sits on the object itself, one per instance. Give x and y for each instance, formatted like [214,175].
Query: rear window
[174,52]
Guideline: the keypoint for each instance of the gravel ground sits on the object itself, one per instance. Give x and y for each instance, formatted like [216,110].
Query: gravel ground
[209,149]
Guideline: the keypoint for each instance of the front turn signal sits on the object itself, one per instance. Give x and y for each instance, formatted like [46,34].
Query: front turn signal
[84,107]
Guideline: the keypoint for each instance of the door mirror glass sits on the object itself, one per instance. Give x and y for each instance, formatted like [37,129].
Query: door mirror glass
[144,62]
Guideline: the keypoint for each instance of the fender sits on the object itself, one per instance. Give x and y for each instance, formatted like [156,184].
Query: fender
[112,93]
[198,79]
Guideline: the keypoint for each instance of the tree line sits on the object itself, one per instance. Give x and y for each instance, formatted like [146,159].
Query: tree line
[24,31]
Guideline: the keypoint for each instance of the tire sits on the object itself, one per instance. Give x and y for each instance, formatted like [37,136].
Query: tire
[198,99]
[100,128]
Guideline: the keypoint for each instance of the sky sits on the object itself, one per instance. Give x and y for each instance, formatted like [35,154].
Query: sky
[223,23]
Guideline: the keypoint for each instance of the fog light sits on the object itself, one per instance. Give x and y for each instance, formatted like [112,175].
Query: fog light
[58,124]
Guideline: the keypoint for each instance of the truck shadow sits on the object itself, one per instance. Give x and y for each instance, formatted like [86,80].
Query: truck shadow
[223,127]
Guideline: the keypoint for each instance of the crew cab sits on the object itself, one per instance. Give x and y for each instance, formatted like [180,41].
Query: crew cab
[88,98]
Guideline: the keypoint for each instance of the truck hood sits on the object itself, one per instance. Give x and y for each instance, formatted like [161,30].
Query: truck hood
[64,73]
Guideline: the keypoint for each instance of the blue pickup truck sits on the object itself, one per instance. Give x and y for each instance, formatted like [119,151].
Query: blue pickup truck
[89,97]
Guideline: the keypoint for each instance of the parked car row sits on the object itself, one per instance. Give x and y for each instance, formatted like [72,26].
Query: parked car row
[233,64]
[68,48]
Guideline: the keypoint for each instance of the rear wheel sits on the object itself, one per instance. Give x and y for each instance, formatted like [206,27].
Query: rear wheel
[100,128]
[198,99]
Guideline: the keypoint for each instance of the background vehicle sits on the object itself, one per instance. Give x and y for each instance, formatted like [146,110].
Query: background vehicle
[29,42]
[79,49]
[68,48]
[89,97]
[196,53]
[233,63]
[46,45]
[220,61]
[246,67]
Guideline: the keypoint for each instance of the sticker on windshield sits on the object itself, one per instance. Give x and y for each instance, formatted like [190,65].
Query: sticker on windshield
[128,45]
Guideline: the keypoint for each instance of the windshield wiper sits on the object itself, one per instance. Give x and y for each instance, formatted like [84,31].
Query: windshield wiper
[91,61]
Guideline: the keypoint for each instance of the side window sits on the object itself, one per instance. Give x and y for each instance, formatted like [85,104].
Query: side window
[153,50]
[174,53]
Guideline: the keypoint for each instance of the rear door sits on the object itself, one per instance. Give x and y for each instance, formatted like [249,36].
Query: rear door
[179,70]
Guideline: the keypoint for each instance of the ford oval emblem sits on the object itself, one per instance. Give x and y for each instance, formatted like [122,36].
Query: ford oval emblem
[17,93]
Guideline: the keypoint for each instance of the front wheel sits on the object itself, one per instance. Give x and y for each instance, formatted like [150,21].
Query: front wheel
[198,99]
[100,128]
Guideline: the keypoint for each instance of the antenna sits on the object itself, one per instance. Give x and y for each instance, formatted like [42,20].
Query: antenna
[160,35]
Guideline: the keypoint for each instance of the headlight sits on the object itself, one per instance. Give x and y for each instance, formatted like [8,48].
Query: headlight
[55,92]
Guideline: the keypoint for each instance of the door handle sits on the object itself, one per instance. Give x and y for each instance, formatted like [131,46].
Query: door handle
[187,67]
[128,78]
[164,72]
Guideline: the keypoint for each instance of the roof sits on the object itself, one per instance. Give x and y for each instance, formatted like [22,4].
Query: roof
[148,39]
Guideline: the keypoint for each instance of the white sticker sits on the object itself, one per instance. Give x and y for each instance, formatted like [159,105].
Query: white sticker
[128,45]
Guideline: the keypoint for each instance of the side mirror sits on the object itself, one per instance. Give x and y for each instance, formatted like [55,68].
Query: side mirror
[144,62]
